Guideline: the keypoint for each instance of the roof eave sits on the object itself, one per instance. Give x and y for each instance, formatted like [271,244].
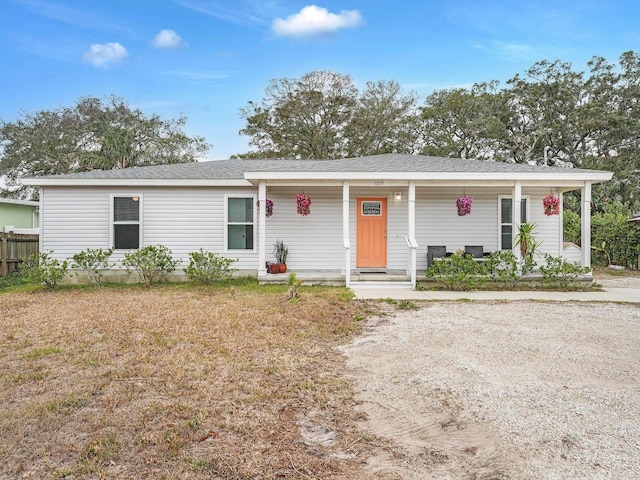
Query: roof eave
[589,176]
[134,182]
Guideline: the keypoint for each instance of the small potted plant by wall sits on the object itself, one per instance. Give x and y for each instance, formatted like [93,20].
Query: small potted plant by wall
[281,251]
[274,267]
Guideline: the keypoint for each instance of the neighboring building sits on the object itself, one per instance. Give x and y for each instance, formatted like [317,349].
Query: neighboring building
[19,215]
[376,213]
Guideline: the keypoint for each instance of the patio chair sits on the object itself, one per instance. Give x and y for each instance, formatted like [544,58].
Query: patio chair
[476,251]
[434,252]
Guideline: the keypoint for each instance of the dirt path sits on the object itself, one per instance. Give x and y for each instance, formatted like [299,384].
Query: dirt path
[521,390]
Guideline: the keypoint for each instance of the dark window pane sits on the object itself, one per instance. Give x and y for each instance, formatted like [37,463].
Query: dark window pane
[506,237]
[240,237]
[523,210]
[240,210]
[505,210]
[126,209]
[126,236]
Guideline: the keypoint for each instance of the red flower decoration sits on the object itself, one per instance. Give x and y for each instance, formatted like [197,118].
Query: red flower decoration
[303,202]
[551,205]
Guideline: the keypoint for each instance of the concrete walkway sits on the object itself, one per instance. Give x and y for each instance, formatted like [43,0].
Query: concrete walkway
[629,295]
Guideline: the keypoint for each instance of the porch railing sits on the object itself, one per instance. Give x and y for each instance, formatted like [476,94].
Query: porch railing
[413,247]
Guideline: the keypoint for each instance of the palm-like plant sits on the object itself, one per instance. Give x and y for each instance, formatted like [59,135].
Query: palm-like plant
[528,245]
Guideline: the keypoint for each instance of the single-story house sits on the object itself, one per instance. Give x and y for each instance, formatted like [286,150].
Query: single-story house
[19,215]
[369,214]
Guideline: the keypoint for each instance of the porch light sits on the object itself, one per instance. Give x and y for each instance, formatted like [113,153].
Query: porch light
[397,196]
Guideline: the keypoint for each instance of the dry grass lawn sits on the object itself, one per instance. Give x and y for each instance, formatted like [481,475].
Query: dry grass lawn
[176,382]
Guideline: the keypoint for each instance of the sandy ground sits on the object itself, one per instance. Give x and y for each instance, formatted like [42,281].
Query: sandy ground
[520,390]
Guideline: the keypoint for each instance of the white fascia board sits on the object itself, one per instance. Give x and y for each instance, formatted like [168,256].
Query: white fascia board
[12,201]
[567,175]
[133,182]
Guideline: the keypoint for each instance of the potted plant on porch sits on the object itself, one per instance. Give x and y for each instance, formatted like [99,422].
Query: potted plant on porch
[281,251]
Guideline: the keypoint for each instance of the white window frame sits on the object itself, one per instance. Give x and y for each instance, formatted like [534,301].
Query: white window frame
[226,223]
[112,222]
[527,198]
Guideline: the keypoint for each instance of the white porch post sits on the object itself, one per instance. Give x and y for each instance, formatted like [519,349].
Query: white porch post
[262,255]
[412,231]
[516,205]
[585,236]
[345,234]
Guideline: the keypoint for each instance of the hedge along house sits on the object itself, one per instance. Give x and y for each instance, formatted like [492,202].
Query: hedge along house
[369,214]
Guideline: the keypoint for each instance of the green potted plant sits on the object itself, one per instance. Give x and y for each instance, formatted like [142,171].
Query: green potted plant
[281,251]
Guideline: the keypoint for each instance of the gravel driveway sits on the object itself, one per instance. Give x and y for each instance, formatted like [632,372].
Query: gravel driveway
[521,390]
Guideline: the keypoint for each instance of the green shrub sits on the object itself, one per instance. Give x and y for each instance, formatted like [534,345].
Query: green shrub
[15,279]
[93,262]
[458,272]
[614,238]
[572,227]
[502,267]
[42,269]
[149,263]
[558,272]
[208,267]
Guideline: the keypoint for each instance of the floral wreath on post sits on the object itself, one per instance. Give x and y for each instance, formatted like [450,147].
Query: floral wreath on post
[303,202]
[551,205]
[268,207]
[464,205]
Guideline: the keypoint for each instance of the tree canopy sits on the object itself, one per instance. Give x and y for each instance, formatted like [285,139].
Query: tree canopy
[551,114]
[323,115]
[93,134]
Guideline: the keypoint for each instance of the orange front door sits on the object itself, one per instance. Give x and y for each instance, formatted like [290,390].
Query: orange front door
[371,233]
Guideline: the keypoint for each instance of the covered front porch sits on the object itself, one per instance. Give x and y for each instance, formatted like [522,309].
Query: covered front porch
[325,245]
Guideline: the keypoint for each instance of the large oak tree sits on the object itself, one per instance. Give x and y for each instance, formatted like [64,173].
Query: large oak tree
[93,134]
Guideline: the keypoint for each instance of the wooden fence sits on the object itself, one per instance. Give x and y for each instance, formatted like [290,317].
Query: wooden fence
[13,247]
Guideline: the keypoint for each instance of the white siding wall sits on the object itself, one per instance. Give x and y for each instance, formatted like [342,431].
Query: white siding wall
[549,229]
[186,219]
[315,240]
[182,219]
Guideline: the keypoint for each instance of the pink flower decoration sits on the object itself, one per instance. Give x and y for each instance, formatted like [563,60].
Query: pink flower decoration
[269,207]
[551,205]
[303,202]
[464,205]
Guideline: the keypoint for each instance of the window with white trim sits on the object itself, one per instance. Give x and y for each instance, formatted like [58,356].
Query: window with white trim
[240,218]
[126,222]
[505,220]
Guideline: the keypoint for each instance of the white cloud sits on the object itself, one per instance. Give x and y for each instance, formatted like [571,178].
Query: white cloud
[510,51]
[103,55]
[314,20]
[169,40]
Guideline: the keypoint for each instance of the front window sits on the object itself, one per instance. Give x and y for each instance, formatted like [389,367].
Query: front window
[506,220]
[126,222]
[240,220]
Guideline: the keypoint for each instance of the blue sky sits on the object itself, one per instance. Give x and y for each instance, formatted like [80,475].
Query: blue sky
[207,58]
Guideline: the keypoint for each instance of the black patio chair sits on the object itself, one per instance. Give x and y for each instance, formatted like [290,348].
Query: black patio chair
[476,251]
[435,251]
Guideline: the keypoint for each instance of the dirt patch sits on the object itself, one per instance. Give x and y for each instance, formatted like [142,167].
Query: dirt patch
[521,390]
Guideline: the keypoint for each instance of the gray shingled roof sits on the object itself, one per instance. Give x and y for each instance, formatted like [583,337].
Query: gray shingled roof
[235,168]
